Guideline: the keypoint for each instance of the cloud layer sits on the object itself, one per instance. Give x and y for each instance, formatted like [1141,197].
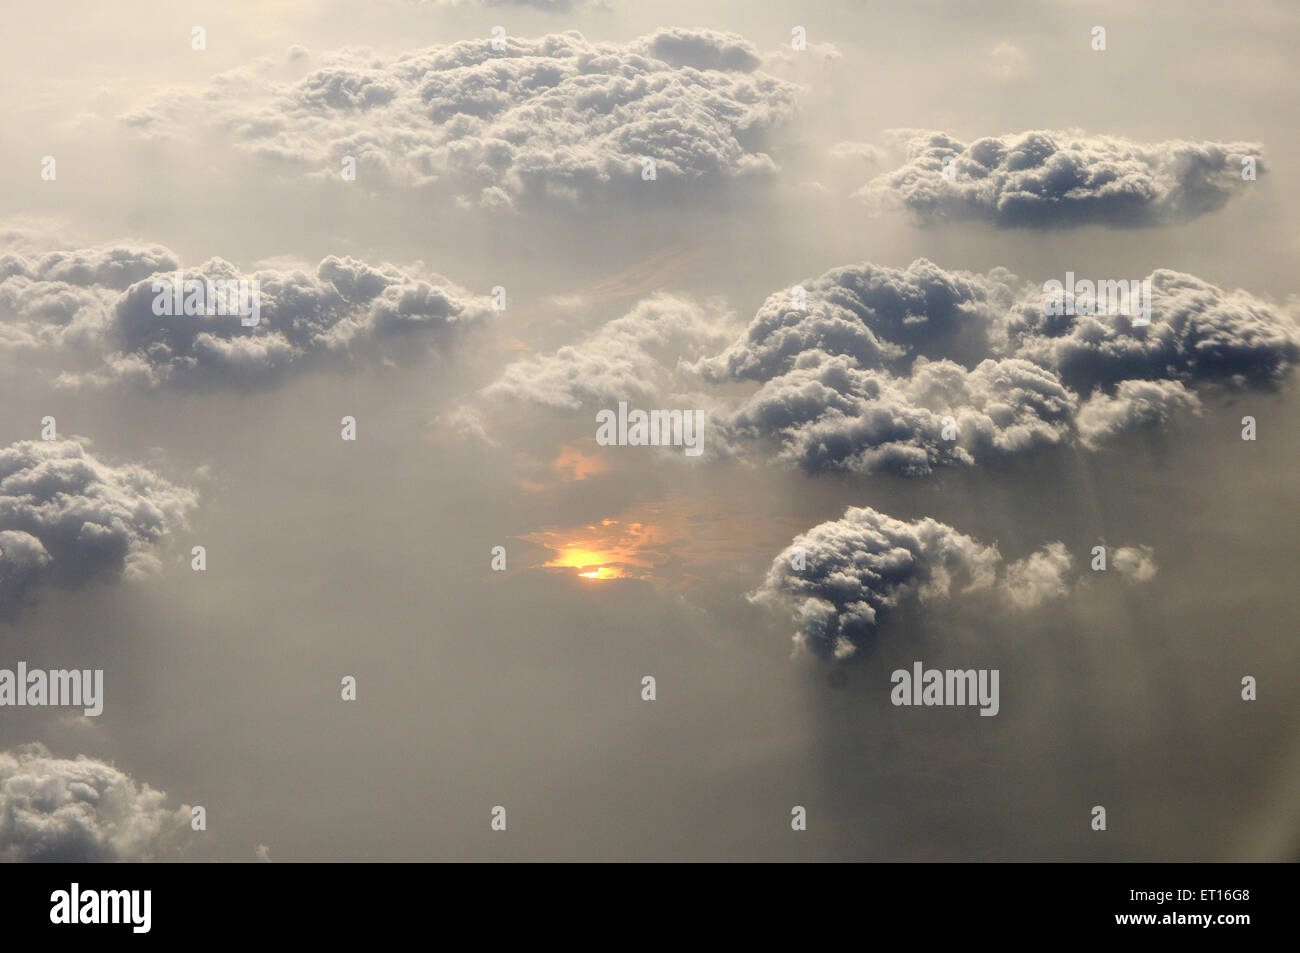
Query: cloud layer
[81,811]
[1047,179]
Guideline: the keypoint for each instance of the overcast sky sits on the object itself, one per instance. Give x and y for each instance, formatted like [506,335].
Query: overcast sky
[862,332]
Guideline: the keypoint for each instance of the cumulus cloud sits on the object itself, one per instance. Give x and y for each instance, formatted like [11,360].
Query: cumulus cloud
[1135,563]
[1046,179]
[842,577]
[829,415]
[870,368]
[859,567]
[903,370]
[69,518]
[875,314]
[554,117]
[100,302]
[1040,576]
[81,810]
[1134,404]
[635,357]
[1199,334]
[64,297]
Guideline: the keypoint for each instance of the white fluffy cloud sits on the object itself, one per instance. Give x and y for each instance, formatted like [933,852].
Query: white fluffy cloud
[635,357]
[1199,334]
[1039,577]
[906,369]
[553,117]
[875,314]
[82,810]
[1134,404]
[826,414]
[869,368]
[1134,563]
[98,304]
[861,566]
[842,577]
[1047,179]
[69,518]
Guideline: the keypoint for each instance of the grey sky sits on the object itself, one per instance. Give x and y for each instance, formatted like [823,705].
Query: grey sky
[523,688]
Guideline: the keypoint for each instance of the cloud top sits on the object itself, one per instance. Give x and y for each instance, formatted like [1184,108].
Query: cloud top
[70,518]
[98,306]
[81,810]
[841,578]
[1059,179]
[557,117]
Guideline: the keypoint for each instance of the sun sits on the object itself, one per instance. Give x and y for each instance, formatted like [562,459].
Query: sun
[601,572]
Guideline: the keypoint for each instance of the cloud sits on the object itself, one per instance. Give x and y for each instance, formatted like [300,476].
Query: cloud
[99,305]
[1046,179]
[1008,63]
[64,298]
[1135,563]
[870,368]
[829,415]
[863,565]
[635,357]
[860,152]
[842,577]
[905,370]
[878,315]
[557,117]
[81,810]
[69,518]
[1039,577]
[1134,404]
[1199,334]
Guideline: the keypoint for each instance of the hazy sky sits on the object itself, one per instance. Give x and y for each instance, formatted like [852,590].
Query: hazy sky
[523,169]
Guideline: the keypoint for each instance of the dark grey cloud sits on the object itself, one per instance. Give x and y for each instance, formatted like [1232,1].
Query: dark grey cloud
[98,303]
[81,810]
[842,577]
[69,518]
[1046,179]
[554,117]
